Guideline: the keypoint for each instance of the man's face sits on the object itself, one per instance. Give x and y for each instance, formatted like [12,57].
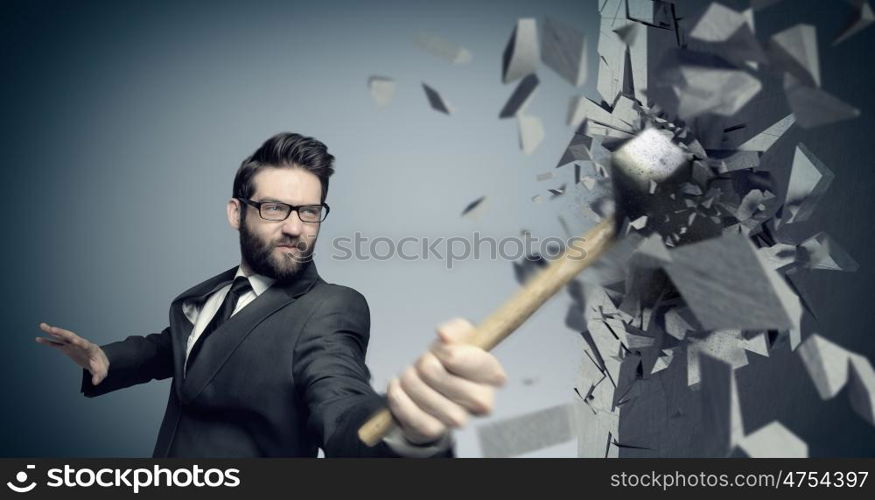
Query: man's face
[279,249]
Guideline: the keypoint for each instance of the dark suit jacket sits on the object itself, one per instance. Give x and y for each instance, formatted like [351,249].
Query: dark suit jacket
[282,377]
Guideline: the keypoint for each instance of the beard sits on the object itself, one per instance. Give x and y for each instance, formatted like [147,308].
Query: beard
[262,259]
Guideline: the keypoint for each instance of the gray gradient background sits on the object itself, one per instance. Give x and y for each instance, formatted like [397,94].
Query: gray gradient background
[123,126]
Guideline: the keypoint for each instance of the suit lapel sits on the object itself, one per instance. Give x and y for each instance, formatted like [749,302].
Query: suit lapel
[180,327]
[221,344]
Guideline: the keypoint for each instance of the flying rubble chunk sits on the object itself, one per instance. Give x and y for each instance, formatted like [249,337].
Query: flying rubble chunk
[725,345]
[521,55]
[794,51]
[444,49]
[563,50]
[758,344]
[628,33]
[382,90]
[526,433]
[772,441]
[556,192]
[809,180]
[474,208]
[527,267]
[729,34]
[531,132]
[728,286]
[765,139]
[588,182]
[863,17]
[821,252]
[832,367]
[780,256]
[814,107]
[729,160]
[578,148]
[544,176]
[435,100]
[677,324]
[520,96]
[663,361]
[861,387]
[720,91]
[596,119]
[826,363]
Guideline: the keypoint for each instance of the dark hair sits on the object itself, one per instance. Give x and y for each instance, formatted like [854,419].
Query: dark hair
[285,149]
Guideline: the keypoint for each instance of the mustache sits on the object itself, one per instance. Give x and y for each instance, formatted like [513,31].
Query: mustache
[297,243]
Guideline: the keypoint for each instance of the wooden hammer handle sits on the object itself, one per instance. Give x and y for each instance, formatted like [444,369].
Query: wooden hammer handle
[582,252]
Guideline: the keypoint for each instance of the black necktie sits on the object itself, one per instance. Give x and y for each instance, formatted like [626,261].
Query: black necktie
[239,287]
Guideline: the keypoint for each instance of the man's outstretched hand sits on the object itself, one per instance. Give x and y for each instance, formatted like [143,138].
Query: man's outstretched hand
[446,385]
[84,353]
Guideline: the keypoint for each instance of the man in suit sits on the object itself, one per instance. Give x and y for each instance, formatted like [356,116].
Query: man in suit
[267,359]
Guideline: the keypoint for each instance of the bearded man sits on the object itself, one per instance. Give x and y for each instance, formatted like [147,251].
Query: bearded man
[267,359]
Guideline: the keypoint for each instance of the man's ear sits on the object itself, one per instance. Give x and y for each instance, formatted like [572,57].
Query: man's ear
[235,211]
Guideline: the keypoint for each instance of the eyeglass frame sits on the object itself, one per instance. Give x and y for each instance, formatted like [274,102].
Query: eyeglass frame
[292,208]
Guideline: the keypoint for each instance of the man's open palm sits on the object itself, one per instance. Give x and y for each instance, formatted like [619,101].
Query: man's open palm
[84,353]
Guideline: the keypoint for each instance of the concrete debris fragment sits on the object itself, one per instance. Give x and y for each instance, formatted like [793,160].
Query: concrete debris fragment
[474,207]
[826,363]
[794,51]
[526,433]
[444,49]
[862,18]
[522,52]
[714,90]
[861,387]
[765,139]
[435,100]
[832,367]
[520,96]
[563,49]
[773,441]
[727,286]
[809,180]
[813,107]
[382,90]
[821,252]
[531,132]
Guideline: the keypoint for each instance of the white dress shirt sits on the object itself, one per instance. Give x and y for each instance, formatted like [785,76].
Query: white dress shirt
[200,314]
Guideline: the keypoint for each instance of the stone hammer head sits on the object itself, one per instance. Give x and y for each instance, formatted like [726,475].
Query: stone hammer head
[645,170]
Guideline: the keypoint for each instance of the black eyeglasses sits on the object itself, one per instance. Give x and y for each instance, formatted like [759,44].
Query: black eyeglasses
[276,211]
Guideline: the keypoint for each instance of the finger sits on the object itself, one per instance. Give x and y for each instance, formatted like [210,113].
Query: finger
[432,402]
[50,342]
[411,418]
[455,331]
[60,333]
[470,362]
[476,398]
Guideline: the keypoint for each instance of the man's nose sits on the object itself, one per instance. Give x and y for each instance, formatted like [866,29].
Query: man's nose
[293,225]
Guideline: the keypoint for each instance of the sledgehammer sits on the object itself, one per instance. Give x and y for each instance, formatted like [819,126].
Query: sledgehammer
[648,158]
